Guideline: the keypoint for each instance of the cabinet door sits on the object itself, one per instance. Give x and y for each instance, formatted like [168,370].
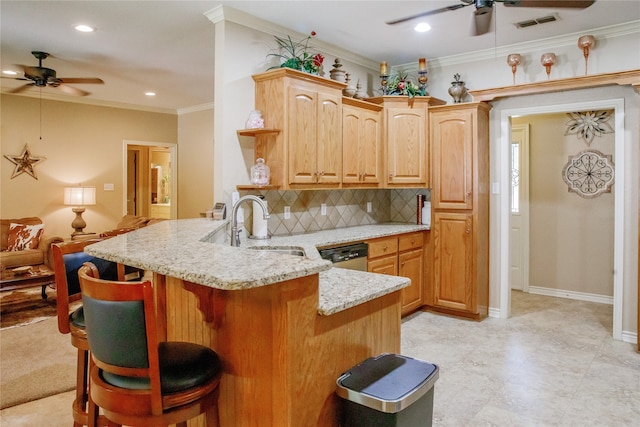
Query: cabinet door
[351,139]
[454,286]
[452,162]
[387,265]
[370,147]
[411,265]
[406,146]
[302,135]
[329,137]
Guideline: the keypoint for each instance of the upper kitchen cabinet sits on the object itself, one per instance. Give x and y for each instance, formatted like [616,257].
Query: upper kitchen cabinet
[406,139]
[307,109]
[458,162]
[361,143]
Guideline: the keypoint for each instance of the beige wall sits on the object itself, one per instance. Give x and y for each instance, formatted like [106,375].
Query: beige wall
[571,243]
[195,163]
[83,144]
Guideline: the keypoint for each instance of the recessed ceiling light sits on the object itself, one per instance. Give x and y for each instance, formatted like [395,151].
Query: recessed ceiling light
[422,27]
[85,28]
[10,72]
[150,93]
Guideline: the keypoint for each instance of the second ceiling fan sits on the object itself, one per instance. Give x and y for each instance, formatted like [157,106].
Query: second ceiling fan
[484,10]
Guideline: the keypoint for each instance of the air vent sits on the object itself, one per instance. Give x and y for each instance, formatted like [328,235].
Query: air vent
[532,22]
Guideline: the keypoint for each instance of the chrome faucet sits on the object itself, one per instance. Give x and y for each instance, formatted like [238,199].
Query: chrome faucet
[235,233]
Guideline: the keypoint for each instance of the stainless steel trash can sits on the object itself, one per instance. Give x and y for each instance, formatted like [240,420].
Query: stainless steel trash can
[388,390]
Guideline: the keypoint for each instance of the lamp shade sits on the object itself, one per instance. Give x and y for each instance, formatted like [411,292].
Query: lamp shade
[79,196]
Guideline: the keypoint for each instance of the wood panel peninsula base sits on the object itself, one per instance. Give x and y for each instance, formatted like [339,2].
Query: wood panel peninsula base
[281,358]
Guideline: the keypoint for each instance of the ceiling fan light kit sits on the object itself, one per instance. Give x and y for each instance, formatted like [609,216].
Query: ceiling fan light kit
[484,10]
[42,77]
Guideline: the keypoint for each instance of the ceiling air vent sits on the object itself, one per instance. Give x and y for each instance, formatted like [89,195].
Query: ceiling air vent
[532,22]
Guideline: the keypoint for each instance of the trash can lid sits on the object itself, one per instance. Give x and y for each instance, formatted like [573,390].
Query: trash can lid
[388,382]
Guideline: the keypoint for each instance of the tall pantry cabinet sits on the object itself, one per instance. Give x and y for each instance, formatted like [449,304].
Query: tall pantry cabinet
[459,135]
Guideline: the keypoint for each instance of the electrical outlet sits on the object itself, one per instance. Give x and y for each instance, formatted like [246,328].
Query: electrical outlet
[323,209]
[369,208]
[287,212]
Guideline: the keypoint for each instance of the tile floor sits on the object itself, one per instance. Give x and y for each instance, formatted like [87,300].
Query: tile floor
[553,363]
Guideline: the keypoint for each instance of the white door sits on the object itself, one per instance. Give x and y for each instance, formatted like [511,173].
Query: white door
[519,223]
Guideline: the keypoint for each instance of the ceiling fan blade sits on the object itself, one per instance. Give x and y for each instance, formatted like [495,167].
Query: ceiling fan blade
[72,90]
[431,12]
[482,21]
[83,80]
[21,88]
[576,4]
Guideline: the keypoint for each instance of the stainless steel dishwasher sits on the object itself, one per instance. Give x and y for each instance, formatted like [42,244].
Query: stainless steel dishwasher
[350,257]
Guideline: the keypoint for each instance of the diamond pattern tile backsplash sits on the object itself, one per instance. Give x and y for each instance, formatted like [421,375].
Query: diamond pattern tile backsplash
[345,208]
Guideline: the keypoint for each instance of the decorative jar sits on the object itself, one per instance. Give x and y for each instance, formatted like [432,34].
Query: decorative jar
[255,120]
[260,173]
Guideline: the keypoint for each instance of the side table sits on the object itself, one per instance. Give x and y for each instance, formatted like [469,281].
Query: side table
[40,275]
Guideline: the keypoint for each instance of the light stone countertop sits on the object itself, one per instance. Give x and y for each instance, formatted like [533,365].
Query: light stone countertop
[197,250]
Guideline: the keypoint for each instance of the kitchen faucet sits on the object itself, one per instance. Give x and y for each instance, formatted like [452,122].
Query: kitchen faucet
[235,233]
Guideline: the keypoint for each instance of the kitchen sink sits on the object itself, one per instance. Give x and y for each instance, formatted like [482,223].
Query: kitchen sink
[279,250]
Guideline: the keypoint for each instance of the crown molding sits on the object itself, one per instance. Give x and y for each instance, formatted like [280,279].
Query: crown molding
[95,102]
[608,32]
[226,13]
[196,108]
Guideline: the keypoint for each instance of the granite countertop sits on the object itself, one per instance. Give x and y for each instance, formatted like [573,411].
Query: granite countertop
[197,250]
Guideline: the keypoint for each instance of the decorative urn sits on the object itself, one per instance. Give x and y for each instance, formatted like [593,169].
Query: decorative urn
[457,90]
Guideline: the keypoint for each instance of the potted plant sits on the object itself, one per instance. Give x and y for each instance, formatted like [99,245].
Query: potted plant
[296,54]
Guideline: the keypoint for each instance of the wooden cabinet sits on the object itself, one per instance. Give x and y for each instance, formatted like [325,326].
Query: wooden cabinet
[307,152]
[460,201]
[314,128]
[406,139]
[361,143]
[401,256]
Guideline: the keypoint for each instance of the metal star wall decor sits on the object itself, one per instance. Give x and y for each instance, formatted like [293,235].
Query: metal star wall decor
[25,162]
[589,124]
[589,173]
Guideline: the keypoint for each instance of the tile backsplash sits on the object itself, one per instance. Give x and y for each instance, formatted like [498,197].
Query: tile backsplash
[344,208]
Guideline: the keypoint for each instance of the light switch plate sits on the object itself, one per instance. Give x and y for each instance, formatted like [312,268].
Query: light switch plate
[369,208]
[323,209]
[109,187]
[287,212]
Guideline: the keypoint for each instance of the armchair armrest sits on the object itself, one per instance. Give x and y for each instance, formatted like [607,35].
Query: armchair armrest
[45,247]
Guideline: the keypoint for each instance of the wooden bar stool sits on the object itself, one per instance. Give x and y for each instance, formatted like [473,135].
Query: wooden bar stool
[67,260]
[135,379]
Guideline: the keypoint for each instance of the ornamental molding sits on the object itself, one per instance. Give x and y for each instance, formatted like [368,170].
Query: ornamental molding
[589,173]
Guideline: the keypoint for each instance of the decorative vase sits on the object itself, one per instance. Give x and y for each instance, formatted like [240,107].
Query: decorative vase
[349,91]
[457,90]
[360,93]
[336,73]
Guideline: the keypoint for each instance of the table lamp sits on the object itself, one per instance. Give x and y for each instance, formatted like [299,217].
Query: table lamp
[79,197]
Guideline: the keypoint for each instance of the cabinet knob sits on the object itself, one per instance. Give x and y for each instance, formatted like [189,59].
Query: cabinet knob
[390,176]
[413,241]
[384,248]
[468,231]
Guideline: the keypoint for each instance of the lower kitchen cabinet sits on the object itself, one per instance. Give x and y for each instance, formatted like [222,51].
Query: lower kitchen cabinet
[454,284]
[401,256]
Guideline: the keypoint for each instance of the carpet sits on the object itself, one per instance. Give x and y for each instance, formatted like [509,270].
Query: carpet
[36,360]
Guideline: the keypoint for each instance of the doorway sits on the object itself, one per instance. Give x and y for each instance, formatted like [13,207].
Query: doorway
[504,166]
[150,179]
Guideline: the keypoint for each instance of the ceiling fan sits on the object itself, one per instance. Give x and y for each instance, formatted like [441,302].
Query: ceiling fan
[41,77]
[484,9]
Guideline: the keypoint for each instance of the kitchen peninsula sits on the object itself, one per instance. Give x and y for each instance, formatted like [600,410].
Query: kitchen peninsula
[285,326]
